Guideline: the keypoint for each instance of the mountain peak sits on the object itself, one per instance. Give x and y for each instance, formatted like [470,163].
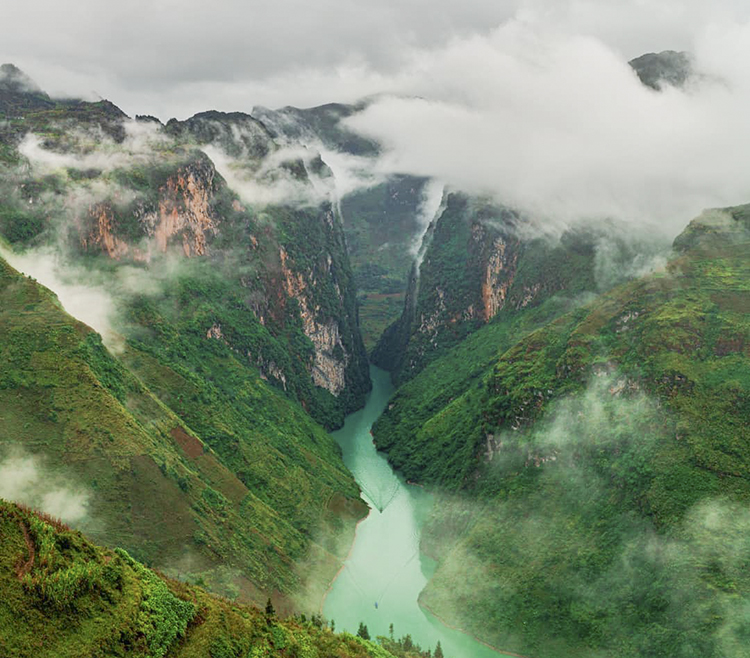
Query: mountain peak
[15,80]
[667,67]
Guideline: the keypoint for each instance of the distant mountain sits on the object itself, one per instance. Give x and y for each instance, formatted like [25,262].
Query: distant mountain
[18,92]
[665,68]
[318,124]
[382,219]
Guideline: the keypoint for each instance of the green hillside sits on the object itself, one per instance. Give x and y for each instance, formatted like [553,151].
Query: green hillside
[602,465]
[260,502]
[482,264]
[64,597]
[230,338]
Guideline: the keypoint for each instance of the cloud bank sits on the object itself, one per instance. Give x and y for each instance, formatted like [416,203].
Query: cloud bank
[91,304]
[559,126]
[23,479]
[153,59]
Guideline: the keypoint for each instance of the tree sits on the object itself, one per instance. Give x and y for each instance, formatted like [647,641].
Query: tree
[438,650]
[363,632]
[270,612]
[390,630]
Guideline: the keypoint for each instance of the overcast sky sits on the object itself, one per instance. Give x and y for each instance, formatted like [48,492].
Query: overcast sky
[531,101]
[173,58]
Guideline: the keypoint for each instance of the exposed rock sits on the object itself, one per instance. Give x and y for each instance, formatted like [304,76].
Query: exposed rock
[665,68]
[215,332]
[102,235]
[184,208]
[269,369]
[498,276]
[183,213]
[528,294]
[331,359]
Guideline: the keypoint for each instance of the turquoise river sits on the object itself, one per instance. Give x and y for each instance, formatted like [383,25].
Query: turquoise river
[385,572]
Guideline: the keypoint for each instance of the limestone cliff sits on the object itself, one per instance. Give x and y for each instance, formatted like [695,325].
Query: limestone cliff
[182,215]
[477,265]
[464,279]
[288,260]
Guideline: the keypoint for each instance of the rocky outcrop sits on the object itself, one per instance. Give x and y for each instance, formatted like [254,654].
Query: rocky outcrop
[101,235]
[331,358]
[477,266]
[329,370]
[181,215]
[463,282]
[290,306]
[498,276]
[665,68]
[184,210]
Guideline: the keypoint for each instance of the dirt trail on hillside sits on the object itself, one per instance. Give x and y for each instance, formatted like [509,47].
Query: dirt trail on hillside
[24,567]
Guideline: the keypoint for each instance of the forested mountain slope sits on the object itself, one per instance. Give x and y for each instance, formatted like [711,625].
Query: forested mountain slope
[65,597]
[384,216]
[480,261]
[601,464]
[227,476]
[212,261]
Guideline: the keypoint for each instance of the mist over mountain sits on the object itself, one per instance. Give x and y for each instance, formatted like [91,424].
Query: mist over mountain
[530,214]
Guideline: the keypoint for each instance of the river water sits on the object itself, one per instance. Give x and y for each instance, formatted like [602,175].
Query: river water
[385,566]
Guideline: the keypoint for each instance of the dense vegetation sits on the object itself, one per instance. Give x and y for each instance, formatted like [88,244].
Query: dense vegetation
[172,196]
[382,220]
[477,267]
[589,437]
[256,502]
[63,597]
[601,465]
[197,442]
[381,227]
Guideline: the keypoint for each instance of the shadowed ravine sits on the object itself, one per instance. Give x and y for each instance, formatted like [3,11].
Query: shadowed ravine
[385,566]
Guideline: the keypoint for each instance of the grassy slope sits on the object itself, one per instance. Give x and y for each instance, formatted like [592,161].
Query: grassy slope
[561,523]
[61,596]
[405,430]
[258,503]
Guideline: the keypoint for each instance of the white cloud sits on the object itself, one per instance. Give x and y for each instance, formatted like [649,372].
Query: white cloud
[157,58]
[23,479]
[91,304]
[559,126]
[270,184]
[95,150]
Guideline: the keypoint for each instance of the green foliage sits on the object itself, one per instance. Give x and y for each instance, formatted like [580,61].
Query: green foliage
[203,412]
[130,611]
[582,524]
[257,502]
[429,430]
[19,225]
[380,224]
[405,647]
[55,581]
[162,617]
